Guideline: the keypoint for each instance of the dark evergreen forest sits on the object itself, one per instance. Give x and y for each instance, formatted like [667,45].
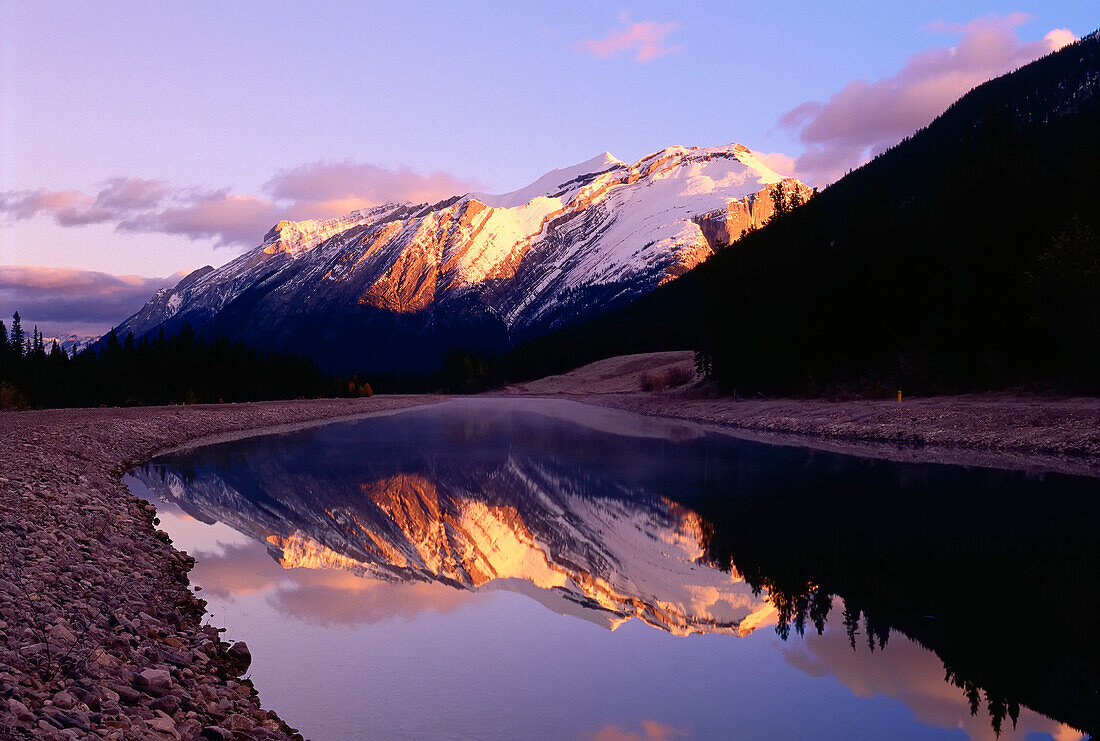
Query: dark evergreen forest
[182,369]
[965,258]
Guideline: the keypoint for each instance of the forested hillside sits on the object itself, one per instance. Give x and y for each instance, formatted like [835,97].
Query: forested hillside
[967,257]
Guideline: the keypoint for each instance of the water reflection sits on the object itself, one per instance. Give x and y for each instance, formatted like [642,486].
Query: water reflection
[593,515]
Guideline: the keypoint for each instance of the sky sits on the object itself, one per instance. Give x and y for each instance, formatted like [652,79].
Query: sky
[142,140]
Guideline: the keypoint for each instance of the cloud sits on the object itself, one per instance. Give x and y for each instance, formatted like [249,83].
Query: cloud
[334,188]
[779,163]
[114,200]
[865,118]
[64,299]
[913,675]
[219,215]
[645,39]
[319,596]
[315,190]
[650,730]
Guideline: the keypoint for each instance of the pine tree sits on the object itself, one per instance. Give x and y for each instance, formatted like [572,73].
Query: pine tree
[18,337]
[780,202]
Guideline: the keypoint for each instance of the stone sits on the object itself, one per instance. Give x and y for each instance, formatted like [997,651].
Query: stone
[239,723]
[164,725]
[239,657]
[60,633]
[157,678]
[64,700]
[217,733]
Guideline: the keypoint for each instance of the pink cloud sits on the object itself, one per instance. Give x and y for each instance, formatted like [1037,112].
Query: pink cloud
[864,118]
[63,299]
[341,182]
[781,164]
[645,39]
[75,208]
[915,676]
[315,190]
[219,215]
[650,730]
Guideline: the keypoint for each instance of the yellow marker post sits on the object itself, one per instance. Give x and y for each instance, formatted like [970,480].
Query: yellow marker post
[899,396]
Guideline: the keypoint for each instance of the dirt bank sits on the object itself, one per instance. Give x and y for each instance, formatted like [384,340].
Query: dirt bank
[1027,432]
[100,636]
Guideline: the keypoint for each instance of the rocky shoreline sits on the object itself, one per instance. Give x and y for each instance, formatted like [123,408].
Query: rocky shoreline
[1000,430]
[100,635]
[995,431]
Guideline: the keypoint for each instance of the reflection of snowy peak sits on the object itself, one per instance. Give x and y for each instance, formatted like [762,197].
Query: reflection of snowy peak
[404,281]
[527,527]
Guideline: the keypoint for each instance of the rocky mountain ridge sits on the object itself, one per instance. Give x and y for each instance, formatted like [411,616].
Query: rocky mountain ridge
[392,287]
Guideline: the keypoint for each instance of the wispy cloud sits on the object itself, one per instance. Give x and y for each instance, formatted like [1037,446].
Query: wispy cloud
[864,118]
[68,300]
[644,39]
[315,190]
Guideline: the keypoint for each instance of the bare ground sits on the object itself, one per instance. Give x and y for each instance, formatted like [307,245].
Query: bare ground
[100,636]
[1004,430]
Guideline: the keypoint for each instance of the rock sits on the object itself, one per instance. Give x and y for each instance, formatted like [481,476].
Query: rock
[239,723]
[126,694]
[156,678]
[217,733]
[164,723]
[64,700]
[60,633]
[239,658]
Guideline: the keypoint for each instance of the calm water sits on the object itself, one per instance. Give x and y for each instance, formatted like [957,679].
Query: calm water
[537,569]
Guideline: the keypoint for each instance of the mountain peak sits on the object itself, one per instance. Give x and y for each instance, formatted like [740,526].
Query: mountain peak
[408,279]
[551,182]
[297,237]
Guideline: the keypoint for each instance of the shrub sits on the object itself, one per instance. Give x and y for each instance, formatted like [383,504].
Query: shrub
[671,378]
[11,397]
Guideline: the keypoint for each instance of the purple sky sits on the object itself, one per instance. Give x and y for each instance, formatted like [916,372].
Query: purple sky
[145,139]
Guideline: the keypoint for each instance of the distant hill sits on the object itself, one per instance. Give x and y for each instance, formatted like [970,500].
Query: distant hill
[966,257]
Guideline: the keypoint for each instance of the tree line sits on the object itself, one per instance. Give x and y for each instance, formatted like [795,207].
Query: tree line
[181,369]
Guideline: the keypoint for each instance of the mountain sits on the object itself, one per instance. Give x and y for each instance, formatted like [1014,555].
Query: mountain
[965,258]
[393,287]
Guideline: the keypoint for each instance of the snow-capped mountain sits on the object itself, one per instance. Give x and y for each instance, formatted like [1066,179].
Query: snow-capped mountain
[391,288]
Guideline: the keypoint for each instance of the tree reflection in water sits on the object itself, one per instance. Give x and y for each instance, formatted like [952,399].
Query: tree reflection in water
[992,571]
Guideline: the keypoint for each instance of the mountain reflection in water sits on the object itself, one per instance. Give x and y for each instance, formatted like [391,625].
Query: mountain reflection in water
[611,517]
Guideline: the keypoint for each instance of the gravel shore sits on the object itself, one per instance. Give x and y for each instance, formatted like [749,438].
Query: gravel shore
[1001,430]
[100,636]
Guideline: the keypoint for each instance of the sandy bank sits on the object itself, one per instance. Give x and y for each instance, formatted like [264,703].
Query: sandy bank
[995,429]
[100,636]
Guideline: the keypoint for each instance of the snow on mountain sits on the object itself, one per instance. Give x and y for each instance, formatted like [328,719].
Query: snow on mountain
[407,280]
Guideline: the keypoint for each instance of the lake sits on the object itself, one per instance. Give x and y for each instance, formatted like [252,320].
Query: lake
[493,568]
